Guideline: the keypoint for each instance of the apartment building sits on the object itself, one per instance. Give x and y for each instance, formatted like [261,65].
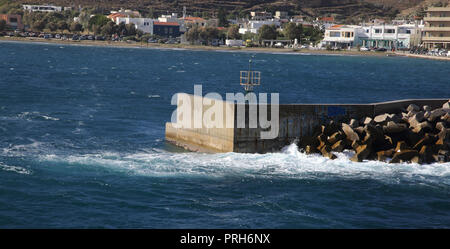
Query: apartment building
[437,28]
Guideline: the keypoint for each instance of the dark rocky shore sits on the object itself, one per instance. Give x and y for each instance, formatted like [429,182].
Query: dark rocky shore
[417,134]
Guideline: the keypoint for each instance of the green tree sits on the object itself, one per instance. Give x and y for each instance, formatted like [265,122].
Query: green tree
[84,18]
[193,34]
[38,25]
[249,36]
[222,16]
[130,29]
[150,14]
[211,33]
[293,31]
[96,29]
[52,26]
[121,29]
[267,32]
[109,29]
[2,25]
[62,25]
[313,34]
[233,32]
[98,20]
[76,27]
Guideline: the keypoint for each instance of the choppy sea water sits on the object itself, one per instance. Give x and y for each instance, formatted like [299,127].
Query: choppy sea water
[82,143]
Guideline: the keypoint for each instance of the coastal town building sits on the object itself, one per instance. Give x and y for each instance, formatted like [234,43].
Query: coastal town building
[127,13]
[437,28]
[325,22]
[166,29]
[281,15]
[388,36]
[391,37]
[114,16]
[42,8]
[166,25]
[397,34]
[191,21]
[253,26]
[143,24]
[173,18]
[297,19]
[169,18]
[342,36]
[13,21]
[260,15]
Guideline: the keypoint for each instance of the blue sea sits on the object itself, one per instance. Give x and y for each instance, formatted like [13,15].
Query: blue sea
[82,143]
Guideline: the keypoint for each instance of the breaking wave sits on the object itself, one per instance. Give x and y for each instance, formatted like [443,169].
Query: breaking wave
[35,116]
[16,169]
[289,163]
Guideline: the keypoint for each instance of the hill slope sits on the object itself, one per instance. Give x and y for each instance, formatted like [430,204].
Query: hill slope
[343,9]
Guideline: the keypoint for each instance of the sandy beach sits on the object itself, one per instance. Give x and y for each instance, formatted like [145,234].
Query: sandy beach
[195,47]
[222,48]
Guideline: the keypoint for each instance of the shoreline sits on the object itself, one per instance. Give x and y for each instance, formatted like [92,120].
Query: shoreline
[220,49]
[195,47]
[421,56]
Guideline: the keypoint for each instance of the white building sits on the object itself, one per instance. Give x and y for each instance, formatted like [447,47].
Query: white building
[169,18]
[281,15]
[342,36]
[253,26]
[173,18]
[260,15]
[143,24]
[373,36]
[234,43]
[42,8]
[126,12]
[390,36]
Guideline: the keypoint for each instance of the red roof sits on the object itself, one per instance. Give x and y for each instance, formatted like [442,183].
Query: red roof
[193,18]
[336,26]
[113,16]
[166,23]
[327,19]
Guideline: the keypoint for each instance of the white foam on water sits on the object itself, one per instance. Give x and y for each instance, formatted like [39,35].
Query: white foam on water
[289,163]
[22,149]
[15,169]
[29,116]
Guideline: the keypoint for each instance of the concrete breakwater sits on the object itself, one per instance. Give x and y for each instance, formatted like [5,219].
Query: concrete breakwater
[297,123]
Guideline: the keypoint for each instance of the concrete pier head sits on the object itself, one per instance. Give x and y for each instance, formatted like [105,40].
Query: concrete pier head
[296,123]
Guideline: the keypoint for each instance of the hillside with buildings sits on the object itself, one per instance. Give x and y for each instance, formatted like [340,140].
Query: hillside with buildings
[348,10]
[319,26]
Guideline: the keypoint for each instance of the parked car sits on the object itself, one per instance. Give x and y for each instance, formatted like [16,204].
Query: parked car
[279,45]
[171,41]
[75,38]
[364,49]
[151,40]
[380,50]
[99,38]
[58,36]
[47,36]
[91,38]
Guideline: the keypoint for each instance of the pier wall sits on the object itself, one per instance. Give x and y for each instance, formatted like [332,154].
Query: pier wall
[296,122]
[202,139]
